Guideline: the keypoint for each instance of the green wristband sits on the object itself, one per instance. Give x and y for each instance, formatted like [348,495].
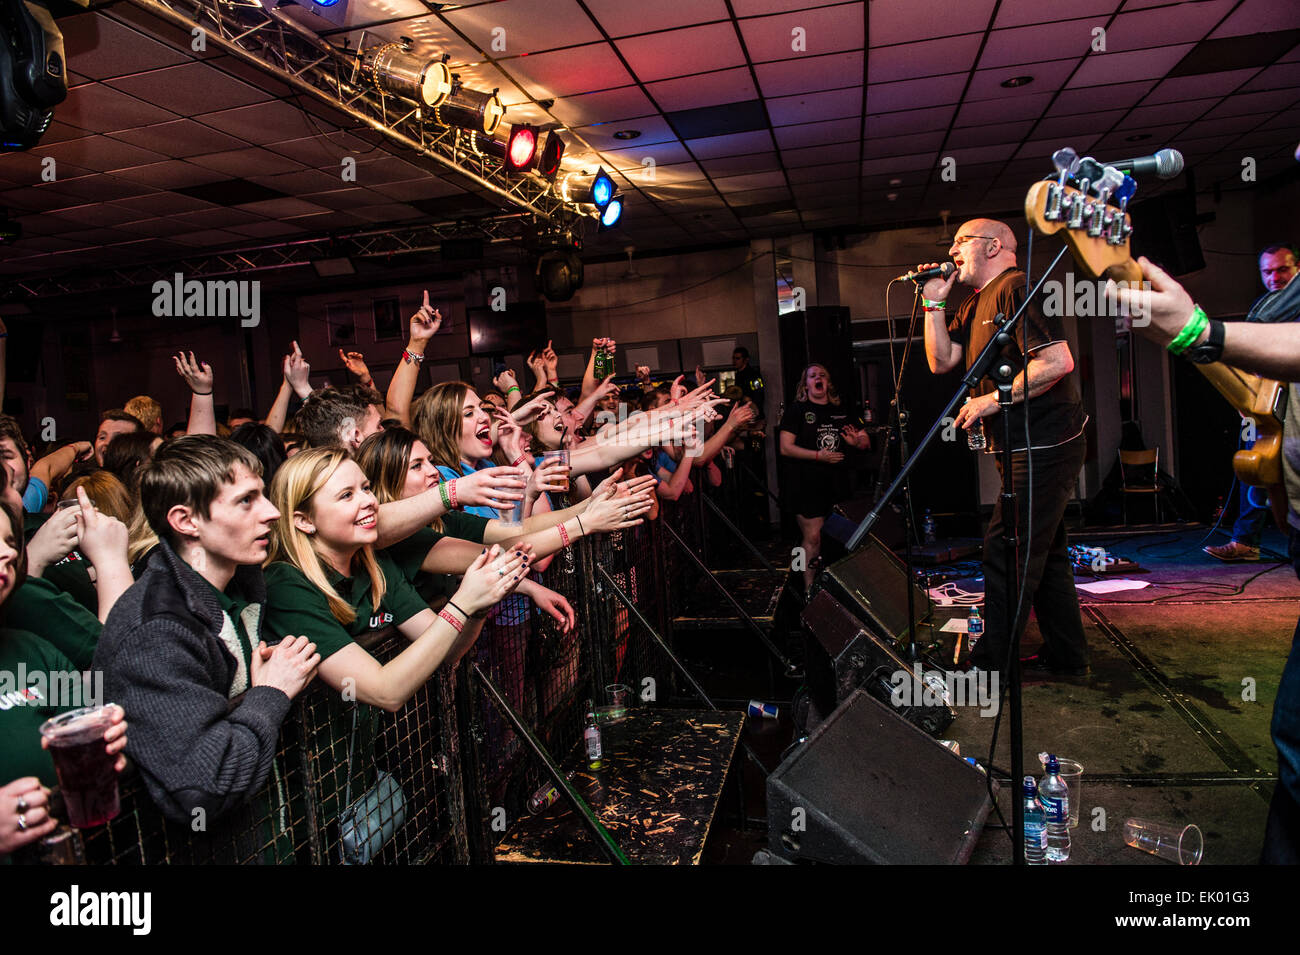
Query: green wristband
[512,388]
[1191,331]
[927,304]
[446,497]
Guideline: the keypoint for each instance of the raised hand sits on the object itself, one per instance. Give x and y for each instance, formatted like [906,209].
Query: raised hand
[491,577]
[52,541]
[297,372]
[505,381]
[549,477]
[102,537]
[355,362]
[491,487]
[678,390]
[531,409]
[198,375]
[552,361]
[699,376]
[537,362]
[643,374]
[741,415]
[856,437]
[937,289]
[425,323]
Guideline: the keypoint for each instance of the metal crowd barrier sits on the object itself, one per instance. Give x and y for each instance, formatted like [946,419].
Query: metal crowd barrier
[463,772]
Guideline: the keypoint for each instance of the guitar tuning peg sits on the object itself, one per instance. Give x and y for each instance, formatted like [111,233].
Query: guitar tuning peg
[1111,179]
[1066,161]
[1124,192]
[1089,170]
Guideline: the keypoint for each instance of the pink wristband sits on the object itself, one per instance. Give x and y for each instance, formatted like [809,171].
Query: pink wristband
[455,624]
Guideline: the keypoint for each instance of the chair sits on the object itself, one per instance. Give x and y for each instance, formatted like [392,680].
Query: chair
[1139,473]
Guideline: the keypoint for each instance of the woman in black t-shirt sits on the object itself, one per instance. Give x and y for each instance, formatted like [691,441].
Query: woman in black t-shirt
[815,430]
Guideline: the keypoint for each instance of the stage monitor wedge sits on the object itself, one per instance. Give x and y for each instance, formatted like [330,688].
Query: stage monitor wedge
[868,787]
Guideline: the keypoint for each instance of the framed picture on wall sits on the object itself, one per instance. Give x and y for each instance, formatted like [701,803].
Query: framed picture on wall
[342,326]
[388,319]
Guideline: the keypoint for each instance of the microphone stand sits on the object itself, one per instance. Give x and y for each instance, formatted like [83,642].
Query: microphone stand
[1000,373]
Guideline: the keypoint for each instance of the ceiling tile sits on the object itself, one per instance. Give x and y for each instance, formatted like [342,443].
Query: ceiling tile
[567,72]
[987,135]
[705,89]
[179,139]
[283,208]
[761,180]
[1017,12]
[190,89]
[101,154]
[517,25]
[734,165]
[263,123]
[909,61]
[813,134]
[209,238]
[620,18]
[987,84]
[155,227]
[1268,101]
[98,47]
[103,110]
[1117,96]
[873,167]
[909,121]
[429,187]
[808,74]
[1197,87]
[1259,16]
[700,49]
[923,19]
[663,154]
[163,203]
[265,229]
[1034,44]
[652,129]
[792,35]
[903,145]
[603,107]
[243,163]
[821,155]
[808,174]
[811,107]
[1123,67]
[915,94]
[735,144]
[1281,76]
[1140,29]
[1183,112]
[327,152]
[172,174]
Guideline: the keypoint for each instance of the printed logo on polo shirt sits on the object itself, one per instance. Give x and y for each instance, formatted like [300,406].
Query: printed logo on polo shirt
[380,620]
[72,556]
[20,698]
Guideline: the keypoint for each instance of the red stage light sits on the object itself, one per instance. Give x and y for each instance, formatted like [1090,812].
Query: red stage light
[521,148]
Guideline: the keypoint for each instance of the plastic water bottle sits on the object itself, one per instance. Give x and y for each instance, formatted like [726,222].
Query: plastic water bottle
[927,527]
[1035,825]
[976,439]
[1055,796]
[974,628]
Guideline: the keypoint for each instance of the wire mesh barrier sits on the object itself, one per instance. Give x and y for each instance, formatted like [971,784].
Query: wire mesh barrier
[437,781]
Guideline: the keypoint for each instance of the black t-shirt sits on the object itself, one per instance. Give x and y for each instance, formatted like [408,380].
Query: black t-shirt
[819,428]
[1055,416]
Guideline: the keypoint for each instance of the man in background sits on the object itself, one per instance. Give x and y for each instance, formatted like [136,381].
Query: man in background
[1277,267]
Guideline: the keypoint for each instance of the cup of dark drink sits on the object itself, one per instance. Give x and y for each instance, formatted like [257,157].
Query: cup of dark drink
[87,778]
[562,456]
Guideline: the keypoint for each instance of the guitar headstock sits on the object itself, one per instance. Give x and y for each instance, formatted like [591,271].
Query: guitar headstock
[1096,228]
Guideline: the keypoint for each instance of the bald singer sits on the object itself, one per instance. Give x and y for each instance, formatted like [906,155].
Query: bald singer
[984,252]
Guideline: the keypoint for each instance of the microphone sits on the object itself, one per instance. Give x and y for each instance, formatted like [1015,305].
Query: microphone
[1163,165]
[939,271]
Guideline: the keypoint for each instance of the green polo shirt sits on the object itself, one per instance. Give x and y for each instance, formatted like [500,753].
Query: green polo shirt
[409,554]
[70,574]
[24,709]
[40,607]
[469,527]
[295,607]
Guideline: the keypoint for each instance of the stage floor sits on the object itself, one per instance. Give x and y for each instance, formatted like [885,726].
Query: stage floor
[1173,723]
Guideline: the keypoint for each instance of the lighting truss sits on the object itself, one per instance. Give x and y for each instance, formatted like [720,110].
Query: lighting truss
[375,243]
[279,46]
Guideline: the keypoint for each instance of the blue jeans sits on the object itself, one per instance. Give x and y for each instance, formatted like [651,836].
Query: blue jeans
[1282,834]
[1252,510]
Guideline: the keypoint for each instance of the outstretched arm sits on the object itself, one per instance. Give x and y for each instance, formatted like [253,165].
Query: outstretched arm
[198,375]
[424,325]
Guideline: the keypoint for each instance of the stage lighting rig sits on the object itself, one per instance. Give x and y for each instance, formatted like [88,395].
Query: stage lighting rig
[587,188]
[393,68]
[559,270]
[612,214]
[33,74]
[470,109]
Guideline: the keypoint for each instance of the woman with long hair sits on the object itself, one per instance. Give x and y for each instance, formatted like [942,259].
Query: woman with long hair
[26,771]
[815,430]
[324,579]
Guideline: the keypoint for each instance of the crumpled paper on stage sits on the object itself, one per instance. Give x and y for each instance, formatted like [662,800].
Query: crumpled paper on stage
[1112,586]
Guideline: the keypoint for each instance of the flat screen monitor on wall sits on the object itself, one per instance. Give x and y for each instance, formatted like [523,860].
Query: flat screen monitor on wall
[520,327]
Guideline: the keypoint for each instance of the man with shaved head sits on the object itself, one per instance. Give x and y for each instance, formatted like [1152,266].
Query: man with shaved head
[1049,459]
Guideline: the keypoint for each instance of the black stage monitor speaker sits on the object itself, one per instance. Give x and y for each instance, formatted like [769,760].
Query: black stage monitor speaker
[847,515]
[872,583]
[844,657]
[868,787]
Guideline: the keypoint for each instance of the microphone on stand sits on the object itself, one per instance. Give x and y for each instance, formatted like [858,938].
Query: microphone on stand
[1166,164]
[920,275]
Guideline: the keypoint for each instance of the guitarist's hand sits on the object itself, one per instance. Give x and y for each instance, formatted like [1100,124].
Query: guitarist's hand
[1160,312]
[937,289]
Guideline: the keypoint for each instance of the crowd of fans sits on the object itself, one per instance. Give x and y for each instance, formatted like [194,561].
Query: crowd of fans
[211,571]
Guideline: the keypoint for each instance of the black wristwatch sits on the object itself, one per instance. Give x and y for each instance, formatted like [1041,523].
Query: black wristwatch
[1210,350]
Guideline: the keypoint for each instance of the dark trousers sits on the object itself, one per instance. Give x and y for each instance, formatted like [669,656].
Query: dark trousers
[1252,510]
[1282,834]
[1049,585]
